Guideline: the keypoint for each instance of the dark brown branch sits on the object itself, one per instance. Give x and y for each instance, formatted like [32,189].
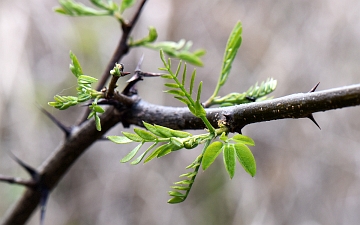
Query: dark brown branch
[292,106]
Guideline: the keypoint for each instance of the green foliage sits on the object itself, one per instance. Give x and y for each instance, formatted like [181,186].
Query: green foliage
[254,93]
[180,50]
[230,150]
[231,49]
[72,8]
[180,92]
[84,93]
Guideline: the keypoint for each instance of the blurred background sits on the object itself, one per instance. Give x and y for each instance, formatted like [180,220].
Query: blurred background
[305,176]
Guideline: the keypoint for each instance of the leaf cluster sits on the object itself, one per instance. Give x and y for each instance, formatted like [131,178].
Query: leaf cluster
[84,93]
[73,8]
[254,93]
[164,141]
[181,93]
[230,150]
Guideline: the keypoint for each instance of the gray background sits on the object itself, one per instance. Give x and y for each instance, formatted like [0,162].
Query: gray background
[305,176]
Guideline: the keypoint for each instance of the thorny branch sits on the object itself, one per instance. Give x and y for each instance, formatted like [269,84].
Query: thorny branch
[236,117]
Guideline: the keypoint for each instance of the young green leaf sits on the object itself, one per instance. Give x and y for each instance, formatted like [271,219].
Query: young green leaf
[133,137]
[147,136]
[152,129]
[176,200]
[176,193]
[243,139]
[138,159]
[75,66]
[192,81]
[229,159]
[246,158]
[119,139]
[164,131]
[175,92]
[131,154]
[211,152]
[97,122]
[156,152]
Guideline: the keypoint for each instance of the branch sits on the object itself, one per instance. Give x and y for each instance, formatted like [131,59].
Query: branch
[236,117]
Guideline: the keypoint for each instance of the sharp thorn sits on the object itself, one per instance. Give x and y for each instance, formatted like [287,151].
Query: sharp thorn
[311,117]
[314,88]
[138,67]
[64,128]
[33,173]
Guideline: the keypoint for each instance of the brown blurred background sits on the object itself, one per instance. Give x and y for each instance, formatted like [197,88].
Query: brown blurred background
[305,176]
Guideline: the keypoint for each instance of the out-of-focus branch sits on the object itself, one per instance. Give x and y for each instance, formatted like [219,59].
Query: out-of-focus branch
[236,117]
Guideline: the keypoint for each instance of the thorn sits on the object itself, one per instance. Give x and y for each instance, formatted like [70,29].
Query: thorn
[138,67]
[33,173]
[64,128]
[311,117]
[314,88]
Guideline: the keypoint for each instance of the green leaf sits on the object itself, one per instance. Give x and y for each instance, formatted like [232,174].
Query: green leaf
[190,58]
[87,79]
[138,159]
[180,134]
[243,139]
[193,75]
[119,139]
[229,159]
[145,134]
[175,92]
[97,122]
[164,131]
[72,8]
[133,137]
[176,193]
[126,4]
[167,76]
[172,85]
[184,75]
[166,150]
[189,175]
[181,188]
[231,50]
[199,92]
[183,100]
[75,66]
[246,158]
[153,129]
[176,200]
[184,182]
[200,111]
[156,152]
[211,152]
[131,154]
[98,109]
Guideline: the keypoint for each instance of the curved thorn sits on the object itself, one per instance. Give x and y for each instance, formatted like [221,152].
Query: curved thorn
[311,117]
[62,127]
[314,88]
[33,173]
